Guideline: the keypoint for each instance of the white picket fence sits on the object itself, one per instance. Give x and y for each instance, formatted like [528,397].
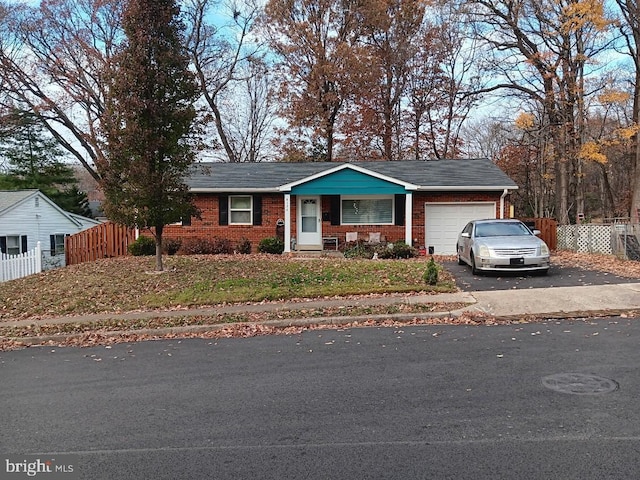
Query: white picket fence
[17,266]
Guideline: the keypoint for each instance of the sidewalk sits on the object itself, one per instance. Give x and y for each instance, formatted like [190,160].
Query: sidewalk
[560,301]
[502,304]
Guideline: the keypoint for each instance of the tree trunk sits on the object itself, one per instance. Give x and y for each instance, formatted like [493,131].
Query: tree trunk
[159,266]
[635,193]
[608,193]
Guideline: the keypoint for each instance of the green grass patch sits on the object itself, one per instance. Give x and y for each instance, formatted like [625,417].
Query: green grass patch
[129,283]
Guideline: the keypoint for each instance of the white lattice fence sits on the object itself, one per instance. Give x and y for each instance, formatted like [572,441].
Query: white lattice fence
[588,238]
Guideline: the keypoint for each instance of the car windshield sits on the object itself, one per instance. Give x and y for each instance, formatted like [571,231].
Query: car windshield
[501,229]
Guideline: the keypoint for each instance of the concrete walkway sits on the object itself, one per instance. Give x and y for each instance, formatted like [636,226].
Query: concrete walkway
[560,301]
[534,302]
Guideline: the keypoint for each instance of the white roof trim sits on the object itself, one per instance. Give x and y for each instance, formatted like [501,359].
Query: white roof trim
[83,219]
[287,187]
[233,190]
[449,188]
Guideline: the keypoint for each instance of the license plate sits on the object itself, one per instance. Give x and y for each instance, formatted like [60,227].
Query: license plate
[517,261]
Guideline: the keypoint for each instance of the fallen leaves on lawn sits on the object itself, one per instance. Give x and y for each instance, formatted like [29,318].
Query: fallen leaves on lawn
[597,261]
[118,285]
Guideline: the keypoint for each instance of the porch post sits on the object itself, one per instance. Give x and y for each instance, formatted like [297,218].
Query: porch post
[408,219]
[287,222]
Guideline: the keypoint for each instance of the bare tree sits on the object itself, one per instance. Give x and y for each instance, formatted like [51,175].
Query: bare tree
[441,83]
[52,58]
[541,50]
[249,114]
[222,54]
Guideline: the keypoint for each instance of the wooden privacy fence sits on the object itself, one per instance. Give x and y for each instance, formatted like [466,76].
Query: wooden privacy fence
[21,265]
[102,241]
[548,230]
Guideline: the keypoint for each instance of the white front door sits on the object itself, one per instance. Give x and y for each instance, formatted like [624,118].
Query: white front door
[309,222]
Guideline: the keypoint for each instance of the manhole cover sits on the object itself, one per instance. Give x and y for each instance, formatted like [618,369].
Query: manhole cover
[579,383]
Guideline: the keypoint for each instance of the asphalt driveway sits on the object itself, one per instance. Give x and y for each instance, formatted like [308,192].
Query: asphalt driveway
[558,276]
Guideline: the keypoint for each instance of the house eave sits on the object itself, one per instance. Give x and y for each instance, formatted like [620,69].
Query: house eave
[477,188]
[417,188]
[234,190]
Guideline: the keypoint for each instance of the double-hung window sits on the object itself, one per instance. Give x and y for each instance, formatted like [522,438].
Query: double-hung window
[240,209]
[13,245]
[57,244]
[367,210]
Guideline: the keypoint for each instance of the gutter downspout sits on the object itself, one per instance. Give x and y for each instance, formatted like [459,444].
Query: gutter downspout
[502,197]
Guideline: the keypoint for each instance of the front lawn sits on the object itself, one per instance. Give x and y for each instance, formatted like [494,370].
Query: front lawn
[129,283]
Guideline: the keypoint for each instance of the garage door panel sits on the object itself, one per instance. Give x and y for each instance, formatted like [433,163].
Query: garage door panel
[445,221]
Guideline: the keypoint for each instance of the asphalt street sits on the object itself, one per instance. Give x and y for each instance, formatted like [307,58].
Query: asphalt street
[558,276]
[551,400]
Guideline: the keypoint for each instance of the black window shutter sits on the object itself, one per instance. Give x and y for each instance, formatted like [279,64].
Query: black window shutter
[52,242]
[3,244]
[24,243]
[400,211]
[335,209]
[223,208]
[257,210]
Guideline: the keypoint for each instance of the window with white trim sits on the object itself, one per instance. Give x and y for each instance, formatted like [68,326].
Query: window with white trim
[240,209]
[367,210]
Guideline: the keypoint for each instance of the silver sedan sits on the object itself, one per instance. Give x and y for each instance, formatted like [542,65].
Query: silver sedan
[502,245]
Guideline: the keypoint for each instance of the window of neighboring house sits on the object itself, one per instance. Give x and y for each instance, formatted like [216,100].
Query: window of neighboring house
[57,244]
[13,244]
[240,210]
[367,210]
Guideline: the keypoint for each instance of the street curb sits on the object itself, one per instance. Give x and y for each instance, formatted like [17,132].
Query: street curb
[336,321]
[285,323]
[455,297]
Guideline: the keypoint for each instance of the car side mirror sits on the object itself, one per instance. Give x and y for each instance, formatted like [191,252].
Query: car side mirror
[537,232]
[465,235]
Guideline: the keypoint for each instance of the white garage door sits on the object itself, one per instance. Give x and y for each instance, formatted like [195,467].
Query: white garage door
[444,221]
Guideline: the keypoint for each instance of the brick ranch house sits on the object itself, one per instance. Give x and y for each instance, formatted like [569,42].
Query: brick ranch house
[318,206]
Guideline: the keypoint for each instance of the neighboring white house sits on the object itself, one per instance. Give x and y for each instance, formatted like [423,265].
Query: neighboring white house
[28,217]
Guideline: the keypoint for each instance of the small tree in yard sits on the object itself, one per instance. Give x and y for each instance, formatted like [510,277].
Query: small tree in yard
[149,115]
[430,276]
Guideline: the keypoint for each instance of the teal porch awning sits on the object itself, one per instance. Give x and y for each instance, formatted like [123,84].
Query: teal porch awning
[348,182]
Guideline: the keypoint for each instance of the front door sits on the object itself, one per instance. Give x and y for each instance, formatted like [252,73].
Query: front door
[309,223]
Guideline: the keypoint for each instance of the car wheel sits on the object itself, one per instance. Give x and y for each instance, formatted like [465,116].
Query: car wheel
[460,261]
[474,270]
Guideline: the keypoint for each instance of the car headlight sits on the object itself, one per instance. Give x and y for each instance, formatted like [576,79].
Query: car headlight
[544,250]
[484,251]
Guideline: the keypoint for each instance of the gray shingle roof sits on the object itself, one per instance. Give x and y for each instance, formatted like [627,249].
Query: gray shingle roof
[427,175]
[9,198]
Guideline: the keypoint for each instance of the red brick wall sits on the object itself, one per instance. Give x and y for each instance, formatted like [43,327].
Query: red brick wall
[273,210]
[208,225]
